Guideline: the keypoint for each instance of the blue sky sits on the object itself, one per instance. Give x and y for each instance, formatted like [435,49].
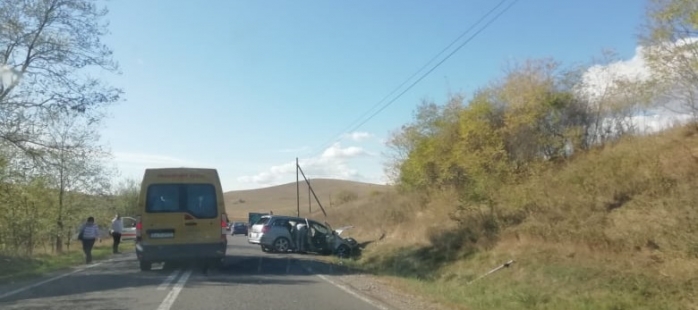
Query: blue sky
[246,86]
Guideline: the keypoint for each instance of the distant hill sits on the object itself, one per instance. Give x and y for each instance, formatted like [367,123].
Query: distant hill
[281,199]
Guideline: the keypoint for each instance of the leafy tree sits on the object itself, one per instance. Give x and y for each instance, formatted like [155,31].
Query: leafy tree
[415,140]
[532,116]
[51,167]
[124,197]
[74,165]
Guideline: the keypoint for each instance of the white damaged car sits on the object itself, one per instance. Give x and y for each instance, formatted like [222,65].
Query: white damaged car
[279,233]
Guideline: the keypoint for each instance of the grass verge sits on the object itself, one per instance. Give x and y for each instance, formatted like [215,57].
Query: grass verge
[542,277]
[613,228]
[14,268]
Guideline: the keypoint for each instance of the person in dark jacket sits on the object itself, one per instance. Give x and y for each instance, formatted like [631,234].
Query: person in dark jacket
[89,232]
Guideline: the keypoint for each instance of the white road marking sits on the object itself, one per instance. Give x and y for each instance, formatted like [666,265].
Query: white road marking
[168,280]
[176,289]
[60,276]
[348,290]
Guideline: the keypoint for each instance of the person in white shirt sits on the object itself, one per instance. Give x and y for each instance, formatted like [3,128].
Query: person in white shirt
[301,236]
[88,234]
[117,227]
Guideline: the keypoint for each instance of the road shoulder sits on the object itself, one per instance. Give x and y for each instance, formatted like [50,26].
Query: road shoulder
[381,290]
[377,289]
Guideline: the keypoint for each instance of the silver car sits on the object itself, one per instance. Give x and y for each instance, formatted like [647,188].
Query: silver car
[278,233]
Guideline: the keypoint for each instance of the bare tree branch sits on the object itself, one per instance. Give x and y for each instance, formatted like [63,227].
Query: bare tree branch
[52,43]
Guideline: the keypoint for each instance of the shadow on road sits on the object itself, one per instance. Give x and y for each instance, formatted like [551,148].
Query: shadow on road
[91,280]
[227,281]
[268,269]
[281,265]
[262,269]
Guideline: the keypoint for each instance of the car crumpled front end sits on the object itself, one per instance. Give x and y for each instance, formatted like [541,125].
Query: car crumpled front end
[349,244]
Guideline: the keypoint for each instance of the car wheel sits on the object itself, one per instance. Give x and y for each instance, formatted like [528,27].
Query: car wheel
[343,251]
[281,244]
[145,266]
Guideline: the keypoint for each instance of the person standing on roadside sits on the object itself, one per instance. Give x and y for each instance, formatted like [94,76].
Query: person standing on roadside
[117,227]
[301,237]
[88,234]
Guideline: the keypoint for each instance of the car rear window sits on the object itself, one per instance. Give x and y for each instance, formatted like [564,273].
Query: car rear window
[262,221]
[199,200]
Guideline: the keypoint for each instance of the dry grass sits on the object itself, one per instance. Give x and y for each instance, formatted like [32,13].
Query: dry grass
[616,228]
[282,198]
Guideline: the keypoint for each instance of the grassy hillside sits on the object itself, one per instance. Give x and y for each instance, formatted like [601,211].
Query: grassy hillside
[614,228]
[282,198]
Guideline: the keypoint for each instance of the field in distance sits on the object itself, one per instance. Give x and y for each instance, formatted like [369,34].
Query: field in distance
[281,199]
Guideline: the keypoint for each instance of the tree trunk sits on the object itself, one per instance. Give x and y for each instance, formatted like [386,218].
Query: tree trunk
[59,224]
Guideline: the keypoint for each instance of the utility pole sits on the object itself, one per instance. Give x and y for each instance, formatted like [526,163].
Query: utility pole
[312,191]
[310,209]
[298,192]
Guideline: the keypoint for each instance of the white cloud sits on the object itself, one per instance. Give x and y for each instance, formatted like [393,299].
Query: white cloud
[598,78]
[334,162]
[659,121]
[337,152]
[358,136]
[657,117]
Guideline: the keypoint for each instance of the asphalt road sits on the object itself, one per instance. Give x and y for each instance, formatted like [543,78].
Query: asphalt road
[250,279]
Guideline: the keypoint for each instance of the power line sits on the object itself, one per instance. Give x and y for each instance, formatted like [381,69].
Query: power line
[338,135]
[437,65]
[430,70]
